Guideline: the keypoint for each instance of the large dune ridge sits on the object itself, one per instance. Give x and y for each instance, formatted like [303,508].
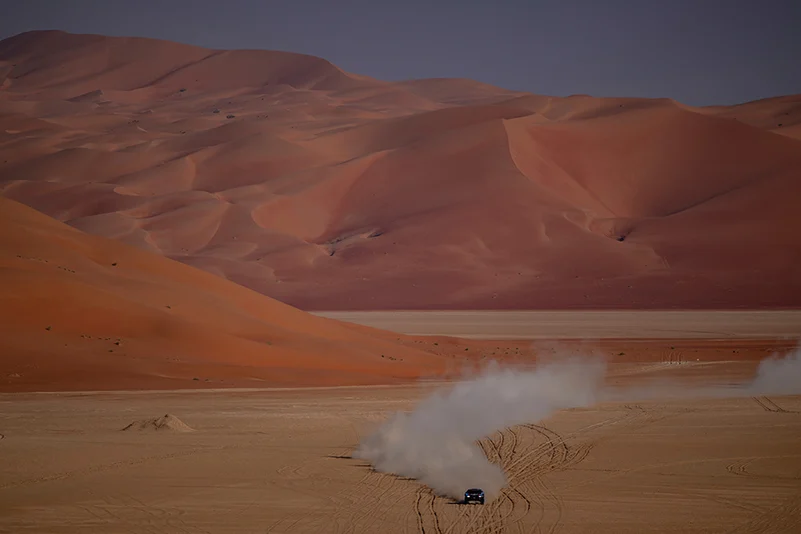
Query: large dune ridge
[329,190]
[83,312]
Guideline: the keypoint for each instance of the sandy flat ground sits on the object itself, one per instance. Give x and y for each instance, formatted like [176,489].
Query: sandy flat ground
[561,324]
[279,461]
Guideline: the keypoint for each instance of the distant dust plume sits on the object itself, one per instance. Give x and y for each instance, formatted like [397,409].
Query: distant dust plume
[778,375]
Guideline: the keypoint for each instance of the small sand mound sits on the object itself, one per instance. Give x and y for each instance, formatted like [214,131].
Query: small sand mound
[165,422]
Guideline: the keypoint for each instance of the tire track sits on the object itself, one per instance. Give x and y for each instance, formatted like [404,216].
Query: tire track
[492,451]
[555,456]
[513,498]
[512,505]
[108,519]
[496,521]
[528,471]
[633,414]
[726,501]
[740,467]
[425,510]
[527,453]
[492,517]
[418,510]
[396,490]
[784,517]
[635,419]
[768,405]
[527,489]
[354,509]
[433,512]
[360,514]
[94,469]
[516,493]
[154,518]
[361,507]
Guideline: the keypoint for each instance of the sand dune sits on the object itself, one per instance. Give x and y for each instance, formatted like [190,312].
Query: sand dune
[84,312]
[271,176]
[333,191]
[781,115]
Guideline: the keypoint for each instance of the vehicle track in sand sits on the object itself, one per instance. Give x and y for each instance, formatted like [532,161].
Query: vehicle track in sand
[769,405]
[148,517]
[282,462]
[782,518]
[527,454]
[360,511]
[531,501]
[353,508]
[101,468]
[742,467]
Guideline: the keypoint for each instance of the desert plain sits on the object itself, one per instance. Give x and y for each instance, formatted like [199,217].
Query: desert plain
[222,271]
[279,460]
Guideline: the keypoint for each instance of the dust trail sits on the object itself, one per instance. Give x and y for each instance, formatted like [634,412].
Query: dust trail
[775,375]
[436,442]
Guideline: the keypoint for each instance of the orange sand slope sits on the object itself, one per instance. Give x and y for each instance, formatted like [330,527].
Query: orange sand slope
[332,191]
[85,312]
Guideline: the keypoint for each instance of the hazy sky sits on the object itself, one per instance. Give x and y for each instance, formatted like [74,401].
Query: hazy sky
[696,51]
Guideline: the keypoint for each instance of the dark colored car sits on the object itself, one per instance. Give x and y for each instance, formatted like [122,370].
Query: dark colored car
[474,495]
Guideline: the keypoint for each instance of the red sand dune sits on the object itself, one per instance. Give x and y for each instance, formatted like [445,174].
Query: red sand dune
[82,312]
[781,115]
[328,190]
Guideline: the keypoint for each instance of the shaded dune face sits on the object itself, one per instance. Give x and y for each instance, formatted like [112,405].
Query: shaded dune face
[329,190]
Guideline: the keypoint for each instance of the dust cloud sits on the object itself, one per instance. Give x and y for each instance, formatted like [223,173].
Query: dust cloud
[778,375]
[436,443]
